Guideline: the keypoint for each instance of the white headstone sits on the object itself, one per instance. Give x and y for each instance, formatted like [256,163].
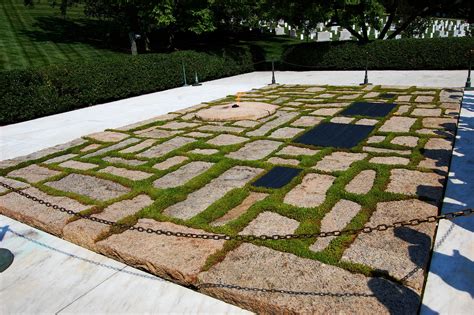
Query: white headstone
[345,35]
[279,30]
[293,33]
[302,36]
[323,36]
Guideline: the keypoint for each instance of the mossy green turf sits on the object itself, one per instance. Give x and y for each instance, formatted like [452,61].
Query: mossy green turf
[309,218]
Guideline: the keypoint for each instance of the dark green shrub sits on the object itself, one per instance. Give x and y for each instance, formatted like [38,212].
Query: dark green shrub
[403,54]
[33,93]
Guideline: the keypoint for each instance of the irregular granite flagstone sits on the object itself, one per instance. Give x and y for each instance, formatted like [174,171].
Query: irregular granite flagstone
[383,150]
[280,161]
[451,95]
[108,136]
[338,161]
[402,110]
[342,120]
[311,192]
[315,89]
[125,173]
[403,98]
[398,124]
[113,147]
[164,117]
[307,121]
[390,160]
[78,165]
[197,134]
[282,118]
[166,147]
[174,258]
[255,150]
[236,212]
[172,161]
[270,223]
[285,133]
[376,139]
[14,183]
[182,175]
[174,125]
[326,95]
[340,215]
[328,105]
[440,123]
[408,141]
[217,128]
[426,112]
[348,97]
[437,152]
[280,100]
[246,123]
[60,158]
[415,183]
[32,213]
[400,251]
[199,200]
[138,147]
[33,173]
[371,95]
[367,122]
[118,160]
[93,187]
[204,151]
[326,111]
[362,183]
[85,232]
[296,151]
[91,147]
[155,133]
[326,284]
[424,99]
[226,140]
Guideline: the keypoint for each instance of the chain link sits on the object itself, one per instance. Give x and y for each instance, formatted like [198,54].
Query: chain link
[249,238]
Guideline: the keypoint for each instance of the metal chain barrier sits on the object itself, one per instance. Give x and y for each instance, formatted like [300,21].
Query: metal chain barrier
[248,238]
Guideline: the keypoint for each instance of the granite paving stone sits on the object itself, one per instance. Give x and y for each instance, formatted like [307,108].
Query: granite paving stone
[176,125]
[217,128]
[113,147]
[125,173]
[371,95]
[339,161]
[246,123]
[424,99]
[35,214]
[437,153]
[326,95]
[204,151]
[315,89]
[296,151]
[307,121]
[285,133]
[367,122]
[400,251]
[255,150]
[403,98]
[451,96]
[403,109]
[362,183]
[383,150]
[390,160]
[158,254]
[280,161]
[85,232]
[440,123]
[199,200]
[90,147]
[376,139]
[93,187]
[311,192]
[337,219]
[237,211]
[281,118]
[342,120]
[166,147]
[168,163]
[155,133]
[108,136]
[140,146]
[270,223]
[118,160]
[182,175]
[33,173]
[224,139]
[78,165]
[60,158]
[398,124]
[415,183]
[426,112]
[197,134]
[408,141]
[326,111]
[14,183]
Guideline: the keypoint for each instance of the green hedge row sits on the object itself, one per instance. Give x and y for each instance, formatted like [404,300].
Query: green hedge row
[402,54]
[33,93]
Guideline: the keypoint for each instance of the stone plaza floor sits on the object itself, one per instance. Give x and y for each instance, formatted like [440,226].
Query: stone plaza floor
[178,172]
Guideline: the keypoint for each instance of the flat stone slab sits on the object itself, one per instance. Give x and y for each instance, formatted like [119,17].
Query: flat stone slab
[117,160]
[337,219]
[140,146]
[424,99]
[125,173]
[311,192]
[116,146]
[237,111]
[282,118]
[342,120]
[61,158]
[339,161]
[440,123]
[415,183]
[204,151]
[174,258]
[166,147]
[362,183]
[14,183]
[296,151]
[85,232]
[224,139]
[385,151]
[367,122]
[38,215]
[243,266]
[426,112]
[326,111]
[197,134]
[93,187]
[172,161]
[255,150]
[307,121]
[280,161]
[182,175]
[408,141]
[218,128]
[155,133]
[398,124]
[390,160]
[236,212]
[176,125]
[401,251]
[33,173]
[376,139]
[78,165]
[108,136]
[285,133]
[270,223]
[403,109]
[91,147]
[199,200]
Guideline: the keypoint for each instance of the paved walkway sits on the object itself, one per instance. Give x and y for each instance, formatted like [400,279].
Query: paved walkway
[450,285]
[50,275]
[31,136]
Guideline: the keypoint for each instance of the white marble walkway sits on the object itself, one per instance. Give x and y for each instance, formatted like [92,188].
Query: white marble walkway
[450,284]
[51,276]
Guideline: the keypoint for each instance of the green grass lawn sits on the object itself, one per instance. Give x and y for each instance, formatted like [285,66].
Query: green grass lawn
[38,36]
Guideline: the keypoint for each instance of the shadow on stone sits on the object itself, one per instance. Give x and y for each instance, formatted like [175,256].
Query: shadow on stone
[396,298]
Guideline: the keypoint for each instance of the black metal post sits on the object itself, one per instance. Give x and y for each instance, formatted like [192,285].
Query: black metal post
[273,73]
[184,76]
[366,77]
[196,80]
[468,81]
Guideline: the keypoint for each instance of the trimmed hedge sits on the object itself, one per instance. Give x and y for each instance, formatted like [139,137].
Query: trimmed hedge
[33,93]
[402,54]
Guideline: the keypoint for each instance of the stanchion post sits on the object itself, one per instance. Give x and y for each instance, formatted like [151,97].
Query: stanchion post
[366,77]
[184,75]
[273,73]
[468,80]
[196,80]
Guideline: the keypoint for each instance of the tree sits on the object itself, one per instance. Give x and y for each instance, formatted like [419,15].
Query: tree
[63,4]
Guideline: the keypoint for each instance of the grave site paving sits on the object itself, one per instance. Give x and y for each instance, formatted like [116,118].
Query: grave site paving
[324,158]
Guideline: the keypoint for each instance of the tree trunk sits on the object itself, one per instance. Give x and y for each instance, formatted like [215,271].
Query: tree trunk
[350,29]
[391,16]
[405,24]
